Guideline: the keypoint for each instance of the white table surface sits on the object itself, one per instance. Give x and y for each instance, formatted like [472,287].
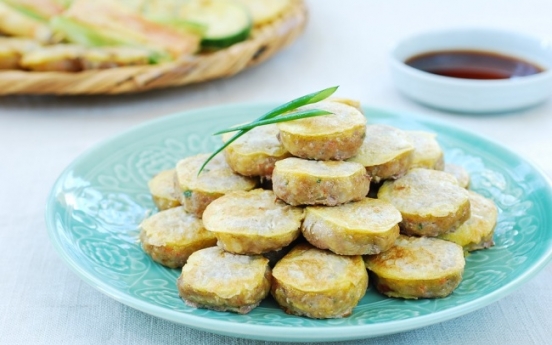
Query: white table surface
[346,43]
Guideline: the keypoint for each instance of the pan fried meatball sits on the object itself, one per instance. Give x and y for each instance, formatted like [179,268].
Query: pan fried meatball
[385,152]
[477,232]
[460,173]
[368,226]
[255,152]
[330,137]
[318,283]
[163,190]
[303,182]
[253,222]
[217,179]
[218,280]
[430,201]
[427,151]
[417,267]
[171,236]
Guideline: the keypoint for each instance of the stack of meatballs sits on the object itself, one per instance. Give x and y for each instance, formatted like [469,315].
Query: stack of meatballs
[308,210]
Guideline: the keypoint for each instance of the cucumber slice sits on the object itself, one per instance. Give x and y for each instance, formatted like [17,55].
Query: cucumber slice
[227,22]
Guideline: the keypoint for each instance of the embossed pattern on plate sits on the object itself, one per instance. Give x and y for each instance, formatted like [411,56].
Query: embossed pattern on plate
[96,205]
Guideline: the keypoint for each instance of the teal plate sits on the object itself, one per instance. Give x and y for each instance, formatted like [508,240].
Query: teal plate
[97,203]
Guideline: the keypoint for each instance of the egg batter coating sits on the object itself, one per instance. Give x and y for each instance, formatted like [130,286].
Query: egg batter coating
[417,267]
[348,101]
[253,222]
[12,49]
[163,190]
[15,23]
[330,137]
[460,173]
[318,283]
[369,226]
[476,232]
[171,236]
[430,201]
[385,152]
[222,281]
[60,58]
[111,57]
[216,179]
[302,182]
[427,151]
[255,152]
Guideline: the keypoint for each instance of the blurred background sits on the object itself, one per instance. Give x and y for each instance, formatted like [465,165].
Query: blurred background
[344,43]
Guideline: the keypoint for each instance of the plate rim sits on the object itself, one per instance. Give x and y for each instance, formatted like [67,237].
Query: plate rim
[267,332]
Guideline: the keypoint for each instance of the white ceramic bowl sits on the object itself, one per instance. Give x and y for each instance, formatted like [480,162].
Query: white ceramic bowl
[470,95]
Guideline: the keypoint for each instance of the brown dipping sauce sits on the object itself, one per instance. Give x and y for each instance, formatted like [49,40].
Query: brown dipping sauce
[472,64]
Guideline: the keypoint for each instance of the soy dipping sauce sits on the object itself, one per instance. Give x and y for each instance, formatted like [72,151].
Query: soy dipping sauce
[473,64]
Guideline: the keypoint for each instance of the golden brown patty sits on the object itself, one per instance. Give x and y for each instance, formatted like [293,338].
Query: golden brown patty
[171,236]
[255,152]
[385,152]
[427,151]
[417,267]
[163,190]
[430,201]
[460,173]
[318,283]
[253,222]
[368,226]
[218,280]
[337,136]
[304,182]
[477,232]
[217,179]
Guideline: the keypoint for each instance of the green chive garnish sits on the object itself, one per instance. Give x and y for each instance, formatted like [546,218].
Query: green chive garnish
[283,118]
[284,108]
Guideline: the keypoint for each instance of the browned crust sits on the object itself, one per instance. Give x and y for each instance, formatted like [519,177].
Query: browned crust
[391,170]
[337,303]
[486,242]
[241,303]
[195,202]
[414,289]
[431,226]
[10,61]
[252,165]
[341,302]
[173,256]
[347,243]
[249,244]
[338,146]
[315,191]
[164,203]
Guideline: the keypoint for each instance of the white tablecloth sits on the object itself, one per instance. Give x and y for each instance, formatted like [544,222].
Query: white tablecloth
[346,43]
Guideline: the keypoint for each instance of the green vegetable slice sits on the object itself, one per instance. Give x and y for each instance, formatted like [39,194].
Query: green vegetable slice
[294,104]
[76,32]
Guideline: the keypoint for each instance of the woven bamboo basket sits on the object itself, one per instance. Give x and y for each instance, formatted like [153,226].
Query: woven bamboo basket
[264,41]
